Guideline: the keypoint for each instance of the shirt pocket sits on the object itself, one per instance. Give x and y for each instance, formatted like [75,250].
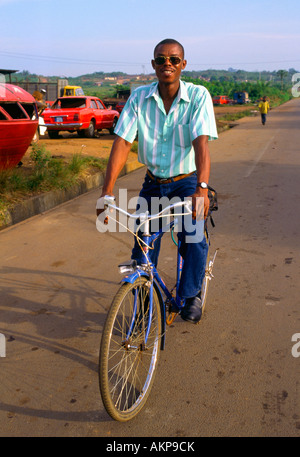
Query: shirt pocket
[183,136]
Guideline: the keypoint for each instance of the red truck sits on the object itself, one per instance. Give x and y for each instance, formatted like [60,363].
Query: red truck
[83,114]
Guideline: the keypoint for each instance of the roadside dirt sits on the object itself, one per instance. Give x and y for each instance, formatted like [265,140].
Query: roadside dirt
[69,144]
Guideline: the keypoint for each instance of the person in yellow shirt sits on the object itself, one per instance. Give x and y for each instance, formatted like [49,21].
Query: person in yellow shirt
[264,108]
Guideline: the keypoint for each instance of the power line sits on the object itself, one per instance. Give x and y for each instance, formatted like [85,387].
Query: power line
[65,59]
[247,63]
[76,61]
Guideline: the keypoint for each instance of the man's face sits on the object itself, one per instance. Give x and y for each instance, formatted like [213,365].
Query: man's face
[168,72]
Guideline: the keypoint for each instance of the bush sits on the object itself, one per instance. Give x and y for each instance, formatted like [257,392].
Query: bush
[256,90]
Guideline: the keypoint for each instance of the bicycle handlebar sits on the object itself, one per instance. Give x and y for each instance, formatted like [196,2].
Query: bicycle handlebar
[107,202]
[108,199]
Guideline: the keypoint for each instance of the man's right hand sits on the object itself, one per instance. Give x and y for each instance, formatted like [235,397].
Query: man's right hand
[100,205]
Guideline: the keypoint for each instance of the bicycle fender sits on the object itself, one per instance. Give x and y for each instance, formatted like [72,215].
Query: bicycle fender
[133,277]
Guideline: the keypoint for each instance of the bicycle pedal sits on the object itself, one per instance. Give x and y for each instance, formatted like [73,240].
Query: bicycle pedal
[170,319]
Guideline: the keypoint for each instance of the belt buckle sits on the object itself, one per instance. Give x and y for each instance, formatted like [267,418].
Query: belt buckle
[162,180]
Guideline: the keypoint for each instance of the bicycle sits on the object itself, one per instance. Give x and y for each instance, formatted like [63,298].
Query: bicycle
[135,327]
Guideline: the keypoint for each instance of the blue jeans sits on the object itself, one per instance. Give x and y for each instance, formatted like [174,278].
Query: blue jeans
[194,253]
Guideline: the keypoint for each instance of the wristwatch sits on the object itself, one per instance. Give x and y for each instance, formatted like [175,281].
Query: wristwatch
[203,185]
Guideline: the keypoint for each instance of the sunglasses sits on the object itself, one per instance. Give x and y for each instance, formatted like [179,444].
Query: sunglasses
[174,60]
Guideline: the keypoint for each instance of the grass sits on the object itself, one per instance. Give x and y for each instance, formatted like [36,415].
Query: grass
[235,116]
[134,147]
[224,121]
[47,173]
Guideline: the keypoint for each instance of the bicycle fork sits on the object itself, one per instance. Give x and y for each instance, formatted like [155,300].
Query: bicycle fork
[142,306]
[208,270]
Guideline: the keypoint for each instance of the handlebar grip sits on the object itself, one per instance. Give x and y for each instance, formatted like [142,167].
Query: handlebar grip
[103,202]
[109,199]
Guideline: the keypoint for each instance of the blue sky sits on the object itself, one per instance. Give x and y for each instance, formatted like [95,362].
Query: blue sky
[73,37]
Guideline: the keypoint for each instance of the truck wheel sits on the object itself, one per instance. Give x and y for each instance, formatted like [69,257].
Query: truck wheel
[90,131]
[53,134]
[111,130]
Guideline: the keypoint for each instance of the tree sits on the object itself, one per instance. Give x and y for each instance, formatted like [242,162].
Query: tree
[282,74]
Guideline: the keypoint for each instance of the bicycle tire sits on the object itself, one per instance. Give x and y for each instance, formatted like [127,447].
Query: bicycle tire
[205,283]
[126,364]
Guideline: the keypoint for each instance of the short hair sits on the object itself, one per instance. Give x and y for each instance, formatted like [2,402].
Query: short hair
[169,41]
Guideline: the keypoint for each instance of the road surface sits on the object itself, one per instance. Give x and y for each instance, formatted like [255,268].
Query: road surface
[235,374]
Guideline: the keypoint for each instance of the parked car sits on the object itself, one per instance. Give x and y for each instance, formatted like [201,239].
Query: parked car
[18,124]
[82,114]
[120,106]
[221,100]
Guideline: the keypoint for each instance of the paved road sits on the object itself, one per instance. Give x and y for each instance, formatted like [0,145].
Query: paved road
[232,375]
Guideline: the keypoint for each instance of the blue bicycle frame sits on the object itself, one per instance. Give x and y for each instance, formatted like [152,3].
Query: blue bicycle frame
[157,282]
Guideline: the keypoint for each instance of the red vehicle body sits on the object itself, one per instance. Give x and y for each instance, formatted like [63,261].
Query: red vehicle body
[120,106]
[83,114]
[221,100]
[18,124]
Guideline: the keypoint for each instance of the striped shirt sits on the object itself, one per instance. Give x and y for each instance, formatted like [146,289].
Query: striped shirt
[165,140]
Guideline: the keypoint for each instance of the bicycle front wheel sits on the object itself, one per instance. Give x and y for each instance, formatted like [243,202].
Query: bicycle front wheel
[208,276]
[205,283]
[128,359]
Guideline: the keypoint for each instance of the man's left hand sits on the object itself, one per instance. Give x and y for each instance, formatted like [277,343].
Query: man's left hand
[200,202]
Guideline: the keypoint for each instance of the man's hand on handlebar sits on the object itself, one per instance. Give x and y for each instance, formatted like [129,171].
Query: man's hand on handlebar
[102,203]
[200,198]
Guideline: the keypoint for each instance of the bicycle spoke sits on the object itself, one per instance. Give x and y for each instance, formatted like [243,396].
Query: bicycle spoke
[130,359]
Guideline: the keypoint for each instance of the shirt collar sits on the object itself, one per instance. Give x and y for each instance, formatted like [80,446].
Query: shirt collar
[182,92]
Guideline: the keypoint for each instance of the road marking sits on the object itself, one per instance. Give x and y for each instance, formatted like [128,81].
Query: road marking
[258,158]
[2,345]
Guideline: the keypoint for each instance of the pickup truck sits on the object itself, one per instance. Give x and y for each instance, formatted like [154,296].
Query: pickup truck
[84,115]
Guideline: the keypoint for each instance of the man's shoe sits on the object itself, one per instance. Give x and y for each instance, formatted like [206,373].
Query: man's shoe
[192,310]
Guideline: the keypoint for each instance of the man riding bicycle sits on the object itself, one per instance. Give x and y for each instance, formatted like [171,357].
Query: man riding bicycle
[174,121]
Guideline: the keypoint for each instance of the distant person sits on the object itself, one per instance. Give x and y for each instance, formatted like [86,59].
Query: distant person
[264,108]
[38,95]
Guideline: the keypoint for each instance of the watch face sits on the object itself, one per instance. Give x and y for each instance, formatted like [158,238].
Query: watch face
[203,185]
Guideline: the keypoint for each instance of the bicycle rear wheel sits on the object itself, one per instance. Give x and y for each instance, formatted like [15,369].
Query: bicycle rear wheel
[127,362]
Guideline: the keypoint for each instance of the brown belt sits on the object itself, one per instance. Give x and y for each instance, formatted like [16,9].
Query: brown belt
[167,180]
